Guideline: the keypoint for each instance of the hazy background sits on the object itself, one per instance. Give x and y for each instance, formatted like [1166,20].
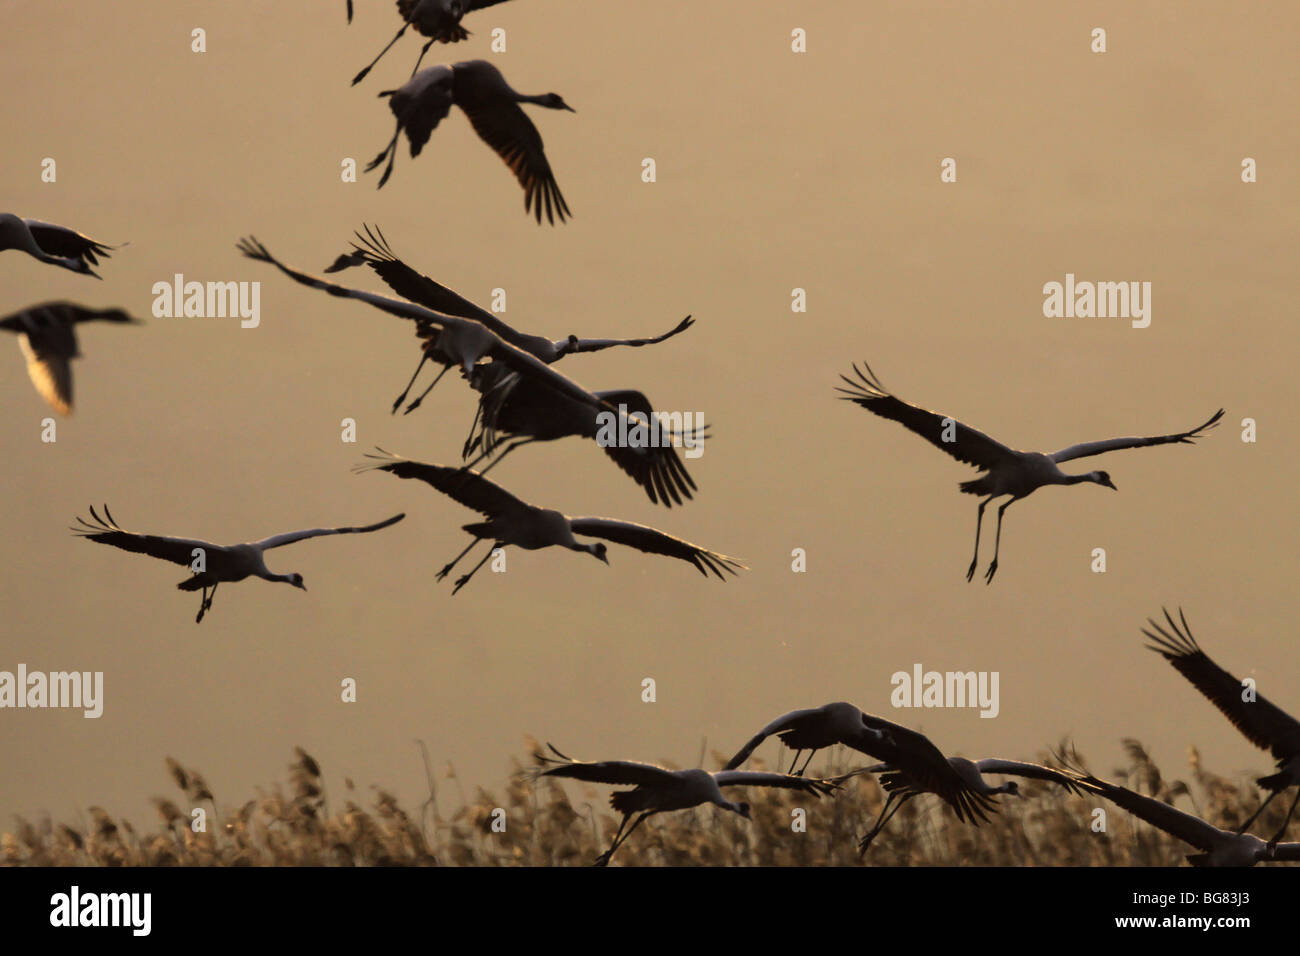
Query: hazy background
[775,171]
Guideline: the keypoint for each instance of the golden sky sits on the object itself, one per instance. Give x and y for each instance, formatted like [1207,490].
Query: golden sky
[775,171]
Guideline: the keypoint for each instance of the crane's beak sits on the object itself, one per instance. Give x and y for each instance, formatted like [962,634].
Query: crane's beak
[1111,486]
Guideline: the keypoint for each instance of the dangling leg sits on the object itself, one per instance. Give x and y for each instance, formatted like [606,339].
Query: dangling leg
[424,357]
[804,768]
[362,75]
[464,578]
[979,519]
[416,404]
[421,57]
[619,842]
[603,859]
[997,540]
[469,439]
[496,461]
[207,602]
[1286,822]
[391,152]
[1258,811]
[447,569]
[885,816]
[793,763]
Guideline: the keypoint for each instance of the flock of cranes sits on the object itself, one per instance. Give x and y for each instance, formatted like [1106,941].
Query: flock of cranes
[911,765]
[523,399]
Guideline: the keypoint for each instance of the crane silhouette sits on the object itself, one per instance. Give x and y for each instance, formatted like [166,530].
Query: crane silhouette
[439,20]
[51,244]
[492,107]
[512,521]
[47,337]
[1265,725]
[372,250]
[1016,474]
[219,563]
[659,790]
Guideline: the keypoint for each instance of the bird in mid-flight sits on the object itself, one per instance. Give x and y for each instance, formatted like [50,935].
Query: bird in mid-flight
[48,339]
[211,564]
[1008,472]
[492,106]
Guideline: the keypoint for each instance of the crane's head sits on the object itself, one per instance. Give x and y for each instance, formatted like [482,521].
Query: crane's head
[556,102]
[743,810]
[296,580]
[1012,788]
[1102,478]
[598,550]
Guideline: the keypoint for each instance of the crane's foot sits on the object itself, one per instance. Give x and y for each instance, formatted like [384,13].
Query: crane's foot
[444,572]
[461,582]
[413,406]
[993,569]
[602,860]
[970,572]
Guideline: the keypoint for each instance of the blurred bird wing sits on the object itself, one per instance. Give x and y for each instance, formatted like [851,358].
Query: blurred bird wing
[51,373]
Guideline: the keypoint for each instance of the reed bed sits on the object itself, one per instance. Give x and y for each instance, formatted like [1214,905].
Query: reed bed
[553,823]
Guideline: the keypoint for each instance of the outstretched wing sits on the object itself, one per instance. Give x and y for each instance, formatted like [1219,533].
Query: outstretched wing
[967,445]
[517,359]
[755,778]
[505,127]
[373,250]
[68,243]
[289,537]
[1035,771]
[106,530]
[1159,814]
[576,344]
[616,772]
[50,368]
[784,722]
[1087,449]
[923,767]
[657,469]
[421,105]
[653,541]
[1263,724]
[463,485]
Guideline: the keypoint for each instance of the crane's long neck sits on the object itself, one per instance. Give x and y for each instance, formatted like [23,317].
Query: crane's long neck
[266,574]
[1092,476]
